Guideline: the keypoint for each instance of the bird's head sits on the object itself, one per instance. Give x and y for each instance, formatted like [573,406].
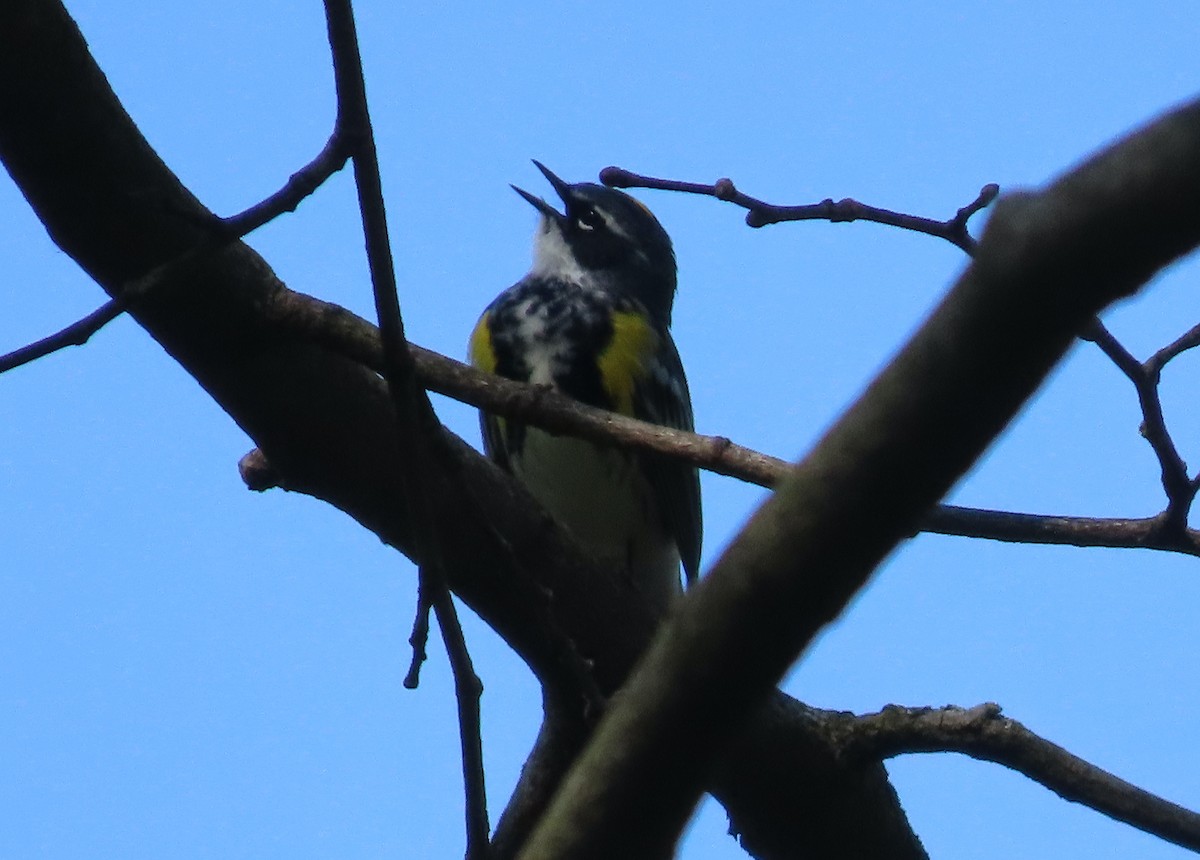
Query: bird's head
[605,238]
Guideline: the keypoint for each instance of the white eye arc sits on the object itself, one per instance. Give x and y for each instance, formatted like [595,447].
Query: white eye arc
[588,220]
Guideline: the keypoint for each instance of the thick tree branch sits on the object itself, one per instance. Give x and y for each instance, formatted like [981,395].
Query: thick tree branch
[326,426]
[760,213]
[1048,263]
[982,733]
[563,733]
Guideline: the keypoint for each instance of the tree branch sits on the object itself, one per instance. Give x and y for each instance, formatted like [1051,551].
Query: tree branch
[1047,263]
[301,185]
[1188,340]
[326,427]
[467,690]
[338,329]
[76,334]
[419,431]
[1157,532]
[1179,488]
[760,213]
[982,733]
[419,638]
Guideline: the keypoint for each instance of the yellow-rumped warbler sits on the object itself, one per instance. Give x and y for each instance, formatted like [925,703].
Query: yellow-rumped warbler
[591,319]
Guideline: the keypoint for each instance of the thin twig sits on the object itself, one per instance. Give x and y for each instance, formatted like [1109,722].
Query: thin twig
[1178,486]
[1186,341]
[419,637]
[1157,532]
[982,733]
[418,430]
[76,334]
[301,185]
[760,213]
[130,292]
[1097,333]
[467,689]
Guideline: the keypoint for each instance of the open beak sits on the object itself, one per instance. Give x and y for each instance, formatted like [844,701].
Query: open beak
[561,188]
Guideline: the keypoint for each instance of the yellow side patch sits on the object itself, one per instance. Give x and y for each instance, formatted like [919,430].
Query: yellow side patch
[482,353]
[623,362]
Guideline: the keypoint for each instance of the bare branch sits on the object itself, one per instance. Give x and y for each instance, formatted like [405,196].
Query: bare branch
[338,329]
[1179,488]
[326,422]
[301,184]
[76,334]
[1097,333]
[1157,532]
[79,332]
[1188,340]
[419,433]
[982,733]
[760,213]
[561,736]
[467,689]
[419,637]
[1048,262]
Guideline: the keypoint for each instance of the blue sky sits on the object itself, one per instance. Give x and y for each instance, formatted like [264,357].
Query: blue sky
[191,670]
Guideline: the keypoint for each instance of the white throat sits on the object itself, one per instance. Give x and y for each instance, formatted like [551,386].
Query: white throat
[552,257]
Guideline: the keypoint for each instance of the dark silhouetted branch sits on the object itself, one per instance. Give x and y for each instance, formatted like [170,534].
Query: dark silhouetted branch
[76,334]
[301,185]
[983,733]
[760,213]
[1179,487]
[1188,340]
[1110,532]
[467,689]
[1048,262]
[419,433]
[419,638]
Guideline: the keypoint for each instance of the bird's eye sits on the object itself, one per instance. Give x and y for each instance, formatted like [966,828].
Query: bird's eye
[588,220]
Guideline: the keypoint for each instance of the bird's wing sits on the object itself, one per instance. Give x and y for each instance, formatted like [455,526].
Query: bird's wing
[662,397]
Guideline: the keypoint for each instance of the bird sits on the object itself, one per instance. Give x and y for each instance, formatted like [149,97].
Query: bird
[592,320]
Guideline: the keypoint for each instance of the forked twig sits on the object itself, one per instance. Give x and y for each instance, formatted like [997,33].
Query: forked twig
[759,213]
[1178,486]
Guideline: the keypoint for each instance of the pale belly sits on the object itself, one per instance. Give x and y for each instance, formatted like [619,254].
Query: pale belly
[598,495]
